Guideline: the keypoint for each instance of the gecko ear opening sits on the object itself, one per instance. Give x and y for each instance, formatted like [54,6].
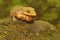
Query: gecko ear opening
[28,11]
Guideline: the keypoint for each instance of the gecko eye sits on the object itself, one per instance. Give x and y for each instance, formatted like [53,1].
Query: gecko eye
[28,11]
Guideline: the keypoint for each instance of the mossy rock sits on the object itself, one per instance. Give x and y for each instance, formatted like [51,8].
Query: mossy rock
[39,30]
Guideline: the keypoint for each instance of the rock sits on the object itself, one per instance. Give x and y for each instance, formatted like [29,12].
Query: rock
[38,30]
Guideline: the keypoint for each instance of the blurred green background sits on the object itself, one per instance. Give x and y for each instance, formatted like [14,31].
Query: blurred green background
[47,10]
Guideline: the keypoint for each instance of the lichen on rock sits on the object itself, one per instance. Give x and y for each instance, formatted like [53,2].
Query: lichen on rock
[38,30]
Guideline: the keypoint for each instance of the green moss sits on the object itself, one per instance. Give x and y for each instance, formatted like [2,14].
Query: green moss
[58,25]
[39,30]
[15,3]
[50,17]
[1,2]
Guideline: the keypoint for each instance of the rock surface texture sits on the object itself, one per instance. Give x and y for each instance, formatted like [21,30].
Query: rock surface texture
[20,30]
